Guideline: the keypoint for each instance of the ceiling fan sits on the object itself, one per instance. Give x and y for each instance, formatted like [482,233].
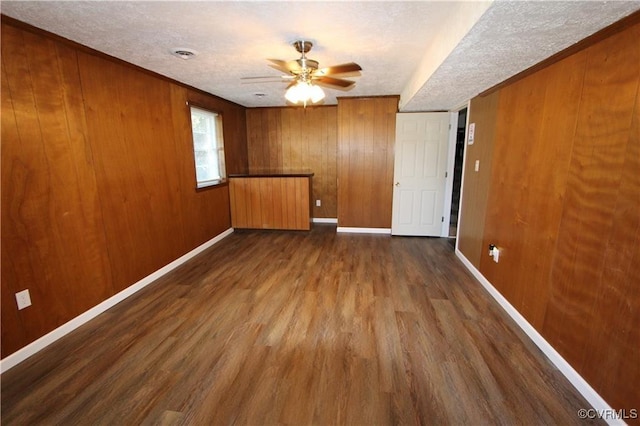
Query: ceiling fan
[304,76]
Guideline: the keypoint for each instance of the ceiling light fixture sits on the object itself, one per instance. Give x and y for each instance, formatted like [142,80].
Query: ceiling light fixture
[304,92]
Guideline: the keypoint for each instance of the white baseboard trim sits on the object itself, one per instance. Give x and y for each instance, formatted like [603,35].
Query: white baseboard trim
[44,341]
[364,230]
[325,220]
[581,385]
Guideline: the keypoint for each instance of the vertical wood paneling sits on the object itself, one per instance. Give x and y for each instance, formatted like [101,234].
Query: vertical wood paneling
[49,197]
[270,202]
[267,207]
[129,124]
[594,281]
[620,305]
[255,202]
[530,163]
[482,112]
[273,147]
[286,139]
[366,140]
[564,207]
[98,186]
[12,329]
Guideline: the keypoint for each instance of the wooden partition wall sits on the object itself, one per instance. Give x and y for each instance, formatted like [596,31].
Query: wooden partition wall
[98,181]
[270,202]
[563,205]
[297,139]
[366,141]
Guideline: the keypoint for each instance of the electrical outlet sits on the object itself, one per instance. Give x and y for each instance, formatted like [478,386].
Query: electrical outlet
[23,299]
[318,203]
[496,254]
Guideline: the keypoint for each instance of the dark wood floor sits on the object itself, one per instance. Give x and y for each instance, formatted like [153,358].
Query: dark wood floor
[298,328]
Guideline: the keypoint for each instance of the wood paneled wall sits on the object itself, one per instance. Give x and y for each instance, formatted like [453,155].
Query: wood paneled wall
[564,207]
[98,181]
[482,112]
[366,138]
[294,139]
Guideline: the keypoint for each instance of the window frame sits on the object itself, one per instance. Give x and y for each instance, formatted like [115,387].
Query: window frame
[219,147]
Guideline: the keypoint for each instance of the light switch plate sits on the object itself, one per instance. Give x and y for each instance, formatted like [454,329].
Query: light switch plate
[23,299]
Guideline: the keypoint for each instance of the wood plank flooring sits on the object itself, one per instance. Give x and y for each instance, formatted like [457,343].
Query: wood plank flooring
[298,328]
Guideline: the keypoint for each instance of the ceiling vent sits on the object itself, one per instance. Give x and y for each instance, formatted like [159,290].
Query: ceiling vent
[183,52]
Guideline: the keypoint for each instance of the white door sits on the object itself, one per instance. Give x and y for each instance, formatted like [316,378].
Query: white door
[420,173]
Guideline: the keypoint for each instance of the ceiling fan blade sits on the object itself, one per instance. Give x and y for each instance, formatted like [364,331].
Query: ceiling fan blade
[267,79]
[330,81]
[289,67]
[340,69]
[270,77]
[263,81]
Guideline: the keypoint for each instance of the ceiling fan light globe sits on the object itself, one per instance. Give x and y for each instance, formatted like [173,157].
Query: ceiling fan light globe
[293,94]
[317,94]
[304,92]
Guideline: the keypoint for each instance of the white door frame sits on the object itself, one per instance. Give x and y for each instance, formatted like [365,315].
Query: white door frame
[451,157]
[451,166]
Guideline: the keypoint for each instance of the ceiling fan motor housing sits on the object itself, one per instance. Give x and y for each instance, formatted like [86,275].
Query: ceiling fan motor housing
[307,66]
[302,46]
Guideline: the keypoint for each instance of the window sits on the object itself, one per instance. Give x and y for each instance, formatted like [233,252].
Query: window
[208,146]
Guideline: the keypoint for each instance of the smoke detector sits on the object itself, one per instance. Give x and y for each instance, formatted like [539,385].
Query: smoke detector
[183,52]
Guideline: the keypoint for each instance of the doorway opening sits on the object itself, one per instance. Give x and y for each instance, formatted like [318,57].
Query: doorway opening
[457,172]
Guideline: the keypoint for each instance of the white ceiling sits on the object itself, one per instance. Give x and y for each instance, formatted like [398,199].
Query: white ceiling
[436,55]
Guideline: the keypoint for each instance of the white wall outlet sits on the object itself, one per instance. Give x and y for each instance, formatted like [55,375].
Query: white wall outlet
[318,203]
[477,165]
[23,299]
[496,254]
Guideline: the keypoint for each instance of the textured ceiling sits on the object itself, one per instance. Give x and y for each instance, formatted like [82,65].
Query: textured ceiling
[436,55]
